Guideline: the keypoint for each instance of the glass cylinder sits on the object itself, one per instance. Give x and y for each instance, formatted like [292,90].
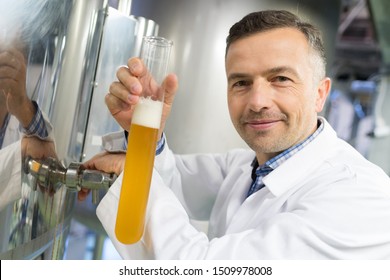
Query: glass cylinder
[142,140]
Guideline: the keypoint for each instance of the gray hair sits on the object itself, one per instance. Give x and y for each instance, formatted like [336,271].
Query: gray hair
[271,19]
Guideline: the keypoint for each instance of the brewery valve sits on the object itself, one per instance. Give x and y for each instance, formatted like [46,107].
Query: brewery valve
[50,174]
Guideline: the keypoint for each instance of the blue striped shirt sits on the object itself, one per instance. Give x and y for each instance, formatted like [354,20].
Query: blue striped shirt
[36,127]
[259,172]
[160,143]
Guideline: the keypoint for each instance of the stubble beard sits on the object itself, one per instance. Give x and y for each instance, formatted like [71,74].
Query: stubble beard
[265,143]
[268,141]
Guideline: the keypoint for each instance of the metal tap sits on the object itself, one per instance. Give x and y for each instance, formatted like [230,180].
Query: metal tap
[51,174]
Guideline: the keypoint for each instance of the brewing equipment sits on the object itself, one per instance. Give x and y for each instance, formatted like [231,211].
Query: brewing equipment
[73,50]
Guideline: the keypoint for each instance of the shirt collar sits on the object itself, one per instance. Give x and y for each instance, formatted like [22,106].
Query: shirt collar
[276,161]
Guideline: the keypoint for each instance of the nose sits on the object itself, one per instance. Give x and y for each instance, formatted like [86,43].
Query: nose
[260,96]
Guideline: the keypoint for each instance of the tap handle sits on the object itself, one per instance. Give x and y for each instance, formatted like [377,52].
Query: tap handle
[93,179]
[77,178]
[51,174]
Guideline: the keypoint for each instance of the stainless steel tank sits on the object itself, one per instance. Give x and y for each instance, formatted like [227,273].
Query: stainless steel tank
[73,48]
[36,225]
[61,40]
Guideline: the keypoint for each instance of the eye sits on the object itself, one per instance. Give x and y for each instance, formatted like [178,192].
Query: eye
[241,83]
[281,79]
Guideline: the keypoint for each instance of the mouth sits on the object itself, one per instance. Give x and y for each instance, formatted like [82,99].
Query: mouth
[262,124]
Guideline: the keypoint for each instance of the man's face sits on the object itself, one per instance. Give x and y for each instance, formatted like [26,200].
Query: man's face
[273,95]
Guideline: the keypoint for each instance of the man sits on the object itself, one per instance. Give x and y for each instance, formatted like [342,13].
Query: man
[300,193]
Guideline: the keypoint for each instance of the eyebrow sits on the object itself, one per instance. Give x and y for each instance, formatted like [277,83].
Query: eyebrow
[235,76]
[281,69]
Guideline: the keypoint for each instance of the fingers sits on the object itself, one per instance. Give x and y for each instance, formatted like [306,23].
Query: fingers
[13,59]
[170,86]
[106,162]
[128,88]
[129,76]
[117,99]
[83,194]
[136,67]
[8,70]
[37,148]
[130,83]
[12,72]
[134,80]
[125,93]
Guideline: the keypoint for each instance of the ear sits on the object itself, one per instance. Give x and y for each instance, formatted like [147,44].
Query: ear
[322,93]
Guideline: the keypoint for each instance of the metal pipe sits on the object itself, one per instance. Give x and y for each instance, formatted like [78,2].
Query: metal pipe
[51,175]
[351,16]
[124,6]
[381,129]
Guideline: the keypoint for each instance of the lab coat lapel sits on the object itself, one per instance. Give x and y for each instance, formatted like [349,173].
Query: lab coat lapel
[290,175]
[229,200]
[297,168]
[239,192]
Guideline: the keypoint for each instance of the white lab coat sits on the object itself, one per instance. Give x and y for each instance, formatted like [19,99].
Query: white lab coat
[11,161]
[325,202]
[10,173]
[12,133]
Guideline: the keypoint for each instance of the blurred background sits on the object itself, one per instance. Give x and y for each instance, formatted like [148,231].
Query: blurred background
[73,48]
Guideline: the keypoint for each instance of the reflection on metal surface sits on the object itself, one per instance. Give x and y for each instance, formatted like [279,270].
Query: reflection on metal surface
[36,226]
[39,222]
[51,175]
[73,48]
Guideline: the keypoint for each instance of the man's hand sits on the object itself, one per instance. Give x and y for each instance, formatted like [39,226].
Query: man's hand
[37,148]
[13,85]
[105,162]
[124,94]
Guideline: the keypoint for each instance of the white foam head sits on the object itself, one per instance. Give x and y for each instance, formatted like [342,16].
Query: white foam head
[148,113]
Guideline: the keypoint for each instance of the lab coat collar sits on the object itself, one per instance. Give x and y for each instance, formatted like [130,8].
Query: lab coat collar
[287,175]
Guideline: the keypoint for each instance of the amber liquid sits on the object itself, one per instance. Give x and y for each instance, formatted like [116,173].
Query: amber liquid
[137,175]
